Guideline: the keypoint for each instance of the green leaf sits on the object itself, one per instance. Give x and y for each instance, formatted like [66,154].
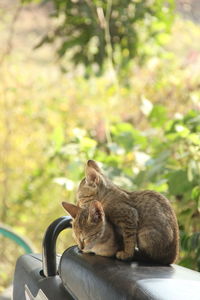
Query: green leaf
[58,137]
[187,262]
[196,196]
[194,241]
[158,116]
[127,136]
[178,182]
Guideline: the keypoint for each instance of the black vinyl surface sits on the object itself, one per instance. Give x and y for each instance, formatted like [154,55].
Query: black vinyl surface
[91,277]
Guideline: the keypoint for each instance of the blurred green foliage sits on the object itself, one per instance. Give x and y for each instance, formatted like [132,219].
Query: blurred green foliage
[93,32]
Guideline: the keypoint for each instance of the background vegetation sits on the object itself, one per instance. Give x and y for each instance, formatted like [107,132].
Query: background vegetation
[139,117]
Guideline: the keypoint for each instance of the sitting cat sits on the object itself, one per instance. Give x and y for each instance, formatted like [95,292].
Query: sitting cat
[142,219]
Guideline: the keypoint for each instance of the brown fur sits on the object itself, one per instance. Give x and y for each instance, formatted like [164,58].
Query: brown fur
[106,213]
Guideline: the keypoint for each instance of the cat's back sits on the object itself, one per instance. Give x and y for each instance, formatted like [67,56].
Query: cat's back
[148,197]
[140,200]
[151,204]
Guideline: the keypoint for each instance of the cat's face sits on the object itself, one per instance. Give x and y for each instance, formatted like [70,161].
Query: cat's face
[93,186]
[88,225]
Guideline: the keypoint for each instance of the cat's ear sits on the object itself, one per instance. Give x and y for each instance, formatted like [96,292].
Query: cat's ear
[92,164]
[91,175]
[96,212]
[71,209]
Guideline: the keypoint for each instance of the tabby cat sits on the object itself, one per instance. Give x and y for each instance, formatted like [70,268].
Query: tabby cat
[111,221]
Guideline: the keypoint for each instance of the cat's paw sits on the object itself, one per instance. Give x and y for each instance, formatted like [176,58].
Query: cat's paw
[122,255]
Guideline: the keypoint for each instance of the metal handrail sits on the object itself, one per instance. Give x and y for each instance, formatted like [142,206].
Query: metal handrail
[49,244]
[7,232]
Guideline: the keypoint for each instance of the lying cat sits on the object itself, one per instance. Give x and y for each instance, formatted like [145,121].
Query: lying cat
[111,221]
[91,230]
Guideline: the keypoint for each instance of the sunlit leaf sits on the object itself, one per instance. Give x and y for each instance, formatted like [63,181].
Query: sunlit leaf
[158,116]
[58,137]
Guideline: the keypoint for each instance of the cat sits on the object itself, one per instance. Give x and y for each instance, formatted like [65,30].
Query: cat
[110,221]
[92,232]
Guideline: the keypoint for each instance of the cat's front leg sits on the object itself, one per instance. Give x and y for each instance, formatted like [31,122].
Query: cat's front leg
[125,219]
[129,241]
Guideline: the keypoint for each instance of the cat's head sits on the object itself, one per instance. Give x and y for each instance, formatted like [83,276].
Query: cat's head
[93,186]
[88,225]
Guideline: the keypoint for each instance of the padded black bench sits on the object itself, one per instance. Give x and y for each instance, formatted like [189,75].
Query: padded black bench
[90,277]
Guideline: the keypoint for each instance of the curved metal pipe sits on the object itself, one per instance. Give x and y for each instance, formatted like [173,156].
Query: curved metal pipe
[21,241]
[49,244]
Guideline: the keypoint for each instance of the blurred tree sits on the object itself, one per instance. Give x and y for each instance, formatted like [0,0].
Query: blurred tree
[99,31]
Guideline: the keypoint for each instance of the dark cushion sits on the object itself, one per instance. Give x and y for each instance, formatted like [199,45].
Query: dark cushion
[92,277]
